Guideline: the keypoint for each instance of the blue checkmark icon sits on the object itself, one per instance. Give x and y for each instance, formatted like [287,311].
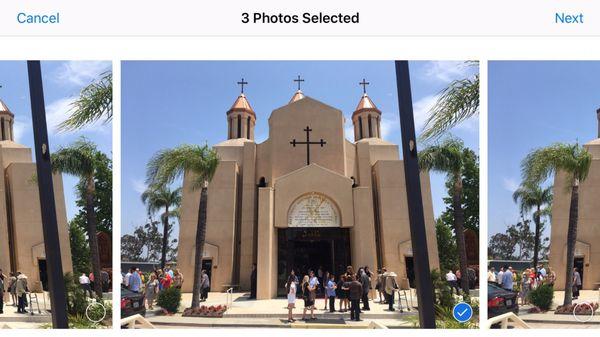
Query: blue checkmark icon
[462,312]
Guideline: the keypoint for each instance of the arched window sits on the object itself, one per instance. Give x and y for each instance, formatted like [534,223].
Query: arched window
[360,129]
[248,128]
[370,127]
[239,126]
[230,126]
[262,182]
[379,127]
[2,126]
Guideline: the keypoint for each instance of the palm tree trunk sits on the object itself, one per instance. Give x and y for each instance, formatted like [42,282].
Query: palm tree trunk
[459,229]
[571,241]
[92,223]
[165,238]
[536,242]
[200,237]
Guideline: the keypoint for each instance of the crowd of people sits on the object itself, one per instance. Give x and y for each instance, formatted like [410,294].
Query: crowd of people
[158,280]
[350,289]
[87,283]
[531,278]
[15,285]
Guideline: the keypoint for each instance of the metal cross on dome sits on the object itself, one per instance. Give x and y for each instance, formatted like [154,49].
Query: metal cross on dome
[308,143]
[242,83]
[299,80]
[364,84]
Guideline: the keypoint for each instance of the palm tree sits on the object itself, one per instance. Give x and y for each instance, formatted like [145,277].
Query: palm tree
[79,159]
[157,198]
[94,103]
[533,197]
[456,103]
[449,157]
[574,161]
[200,164]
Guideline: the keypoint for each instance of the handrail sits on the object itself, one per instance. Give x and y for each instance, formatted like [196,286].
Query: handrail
[229,297]
[132,322]
[504,319]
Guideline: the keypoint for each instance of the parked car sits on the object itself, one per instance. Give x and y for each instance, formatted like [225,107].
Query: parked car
[501,301]
[132,303]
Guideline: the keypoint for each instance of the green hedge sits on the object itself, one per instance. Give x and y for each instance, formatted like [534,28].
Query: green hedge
[169,299]
[542,297]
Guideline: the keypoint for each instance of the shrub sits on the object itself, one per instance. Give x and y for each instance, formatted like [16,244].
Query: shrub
[442,290]
[77,302]
[169,299]
[542,297]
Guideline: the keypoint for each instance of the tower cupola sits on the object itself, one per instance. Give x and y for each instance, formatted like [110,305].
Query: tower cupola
[366,117]
[6,122]
[241,119]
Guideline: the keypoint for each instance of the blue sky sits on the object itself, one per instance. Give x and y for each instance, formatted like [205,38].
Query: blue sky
[63,82]
[165,104]
[532,105]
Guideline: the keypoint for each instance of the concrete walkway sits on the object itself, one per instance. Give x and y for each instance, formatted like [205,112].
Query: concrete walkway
[553,320]
[273,313]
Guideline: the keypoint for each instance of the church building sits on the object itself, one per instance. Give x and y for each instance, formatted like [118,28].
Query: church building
[587,248]
[21,236]
[305,198]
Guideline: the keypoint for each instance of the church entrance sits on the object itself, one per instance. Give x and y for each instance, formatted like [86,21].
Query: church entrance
[579,264]
[43,273]
[303,249]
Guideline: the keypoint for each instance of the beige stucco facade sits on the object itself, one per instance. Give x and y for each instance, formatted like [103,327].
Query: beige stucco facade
[350,197]
[21,235]
[587,248]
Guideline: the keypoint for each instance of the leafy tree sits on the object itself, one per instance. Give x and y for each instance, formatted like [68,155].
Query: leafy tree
[446,245]
[79,159]
[501,247]
[449,157]
[534,198]
[456,103]
[102,196]
[517,243]
[145,243]
[200,163]
[574,161]
[80,250]
[93,104]
[157,198]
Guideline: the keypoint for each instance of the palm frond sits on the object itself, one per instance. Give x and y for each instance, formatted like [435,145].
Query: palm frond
[93,104]
[77,159]
[456,103]
[168,165]
[542,163]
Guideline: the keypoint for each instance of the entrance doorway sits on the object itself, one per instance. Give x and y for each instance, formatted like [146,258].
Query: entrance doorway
[43,273]
[207,265]
[579,264]
[303,249]
[410,270]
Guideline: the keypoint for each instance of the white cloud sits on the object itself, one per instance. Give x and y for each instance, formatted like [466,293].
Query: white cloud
[138,185]
[510,184]
[81,73]
[421,109]
[58,111]
[388,126]
[19,129]
[446,71]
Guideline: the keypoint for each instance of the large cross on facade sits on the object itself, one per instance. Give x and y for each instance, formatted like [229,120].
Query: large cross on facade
[308,143]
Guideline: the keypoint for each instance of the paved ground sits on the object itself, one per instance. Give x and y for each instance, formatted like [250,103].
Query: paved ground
[273,313]
[14,320]
[551,320]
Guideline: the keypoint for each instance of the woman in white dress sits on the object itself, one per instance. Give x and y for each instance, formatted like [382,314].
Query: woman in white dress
[290,287]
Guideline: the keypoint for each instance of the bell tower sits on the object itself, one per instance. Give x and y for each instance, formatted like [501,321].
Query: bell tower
[366,117]
[6,123]
[241,119]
